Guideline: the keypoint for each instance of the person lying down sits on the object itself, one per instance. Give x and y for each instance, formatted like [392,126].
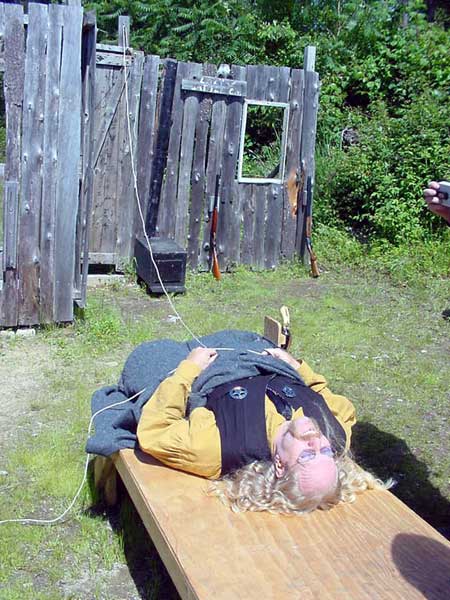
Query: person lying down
[263,426]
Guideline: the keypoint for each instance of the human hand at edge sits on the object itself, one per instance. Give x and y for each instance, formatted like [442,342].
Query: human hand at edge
[283,355]
[431,195]
[202,357]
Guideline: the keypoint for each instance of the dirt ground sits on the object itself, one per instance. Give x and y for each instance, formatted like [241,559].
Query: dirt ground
[23,364]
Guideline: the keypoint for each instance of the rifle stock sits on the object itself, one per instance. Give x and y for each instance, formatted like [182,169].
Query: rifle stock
[214,260]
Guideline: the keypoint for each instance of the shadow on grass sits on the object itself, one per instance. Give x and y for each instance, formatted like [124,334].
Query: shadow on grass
[146,568]
[386,455]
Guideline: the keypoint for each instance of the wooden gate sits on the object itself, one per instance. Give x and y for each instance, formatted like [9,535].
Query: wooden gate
[198,133]
[41,54]
[112,216]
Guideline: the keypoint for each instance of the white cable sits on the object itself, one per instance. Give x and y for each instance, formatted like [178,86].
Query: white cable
[133,169]
[61,516]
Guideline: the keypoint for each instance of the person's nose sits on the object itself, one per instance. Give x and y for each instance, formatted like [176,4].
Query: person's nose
[314,443]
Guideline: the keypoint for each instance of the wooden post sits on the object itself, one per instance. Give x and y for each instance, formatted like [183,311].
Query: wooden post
[309,125]
[105,479]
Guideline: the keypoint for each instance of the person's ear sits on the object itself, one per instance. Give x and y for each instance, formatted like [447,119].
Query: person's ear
[280,468]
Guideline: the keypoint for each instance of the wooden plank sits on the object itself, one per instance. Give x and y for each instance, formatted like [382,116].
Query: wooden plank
[100,213]
[293,166]
[311,104]
[257,82]
[248,203]
[108,109]
[32,155]
[213,167]
[159,162]
[102,258]
[87,184]
[126,190]
[110,48]
[146,137]
[12,20]
[10,212]
[199,208]
[167,208]
[123,27]
[229,227]
[215,85]
[68,166]
[107,59]
[50,163]
[274,221]
[386,551]
[191,103]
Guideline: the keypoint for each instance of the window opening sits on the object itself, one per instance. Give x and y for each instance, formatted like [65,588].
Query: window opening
[262,150]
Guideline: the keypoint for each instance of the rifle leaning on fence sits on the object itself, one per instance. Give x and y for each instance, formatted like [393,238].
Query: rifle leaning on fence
[214,218]
[308,227]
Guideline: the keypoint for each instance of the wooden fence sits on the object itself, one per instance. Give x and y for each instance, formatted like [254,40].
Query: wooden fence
[185,132]
[47,170]
[69,196]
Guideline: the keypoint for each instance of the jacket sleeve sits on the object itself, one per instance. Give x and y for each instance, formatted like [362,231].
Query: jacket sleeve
[192,444]
[340,406]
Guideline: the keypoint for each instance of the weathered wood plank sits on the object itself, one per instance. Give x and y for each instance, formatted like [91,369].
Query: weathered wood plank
[272,236]
[230,211]
[215,85]
[161,146]
[32,155]
[191,101]
[123,27]
[87,184]
[14,55]
[199,208]
[213,167]
[248,203]
[146,137]
[50,163]
[167,208]
[293,166]
[68,166]
[100,214]
[107,107]
[11,207]
[257,85]
[311,104]
[107,59]
[126,190]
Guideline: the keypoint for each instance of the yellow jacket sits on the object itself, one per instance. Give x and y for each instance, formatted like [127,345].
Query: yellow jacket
[193,444]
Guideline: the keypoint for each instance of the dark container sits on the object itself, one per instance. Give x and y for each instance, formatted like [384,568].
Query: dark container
[170,259]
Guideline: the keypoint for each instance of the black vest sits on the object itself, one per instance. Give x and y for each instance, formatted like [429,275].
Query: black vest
[239,409]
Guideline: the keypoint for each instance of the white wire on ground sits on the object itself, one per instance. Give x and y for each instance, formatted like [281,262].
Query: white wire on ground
[62,515]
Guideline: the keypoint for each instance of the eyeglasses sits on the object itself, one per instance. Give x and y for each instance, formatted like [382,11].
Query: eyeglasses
[308,455]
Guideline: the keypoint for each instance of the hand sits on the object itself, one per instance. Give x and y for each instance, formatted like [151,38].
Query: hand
[431,195]
[283,355]
[202,357]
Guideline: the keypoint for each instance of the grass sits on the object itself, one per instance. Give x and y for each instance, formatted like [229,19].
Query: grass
[376,333]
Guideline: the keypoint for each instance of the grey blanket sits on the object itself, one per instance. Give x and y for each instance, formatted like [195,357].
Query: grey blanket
[151,362]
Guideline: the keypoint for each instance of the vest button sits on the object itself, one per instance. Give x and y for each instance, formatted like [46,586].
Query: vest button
[288,392]
[238,393]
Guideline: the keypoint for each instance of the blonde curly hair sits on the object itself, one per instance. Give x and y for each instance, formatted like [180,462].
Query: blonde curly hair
[256,487]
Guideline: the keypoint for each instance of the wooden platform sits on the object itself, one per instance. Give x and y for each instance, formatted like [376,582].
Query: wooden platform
[374,549]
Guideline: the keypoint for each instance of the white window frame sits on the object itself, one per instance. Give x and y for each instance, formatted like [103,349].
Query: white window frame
[280,178]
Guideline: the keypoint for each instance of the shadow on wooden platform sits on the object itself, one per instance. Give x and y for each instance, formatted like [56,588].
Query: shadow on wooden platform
[386,455]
